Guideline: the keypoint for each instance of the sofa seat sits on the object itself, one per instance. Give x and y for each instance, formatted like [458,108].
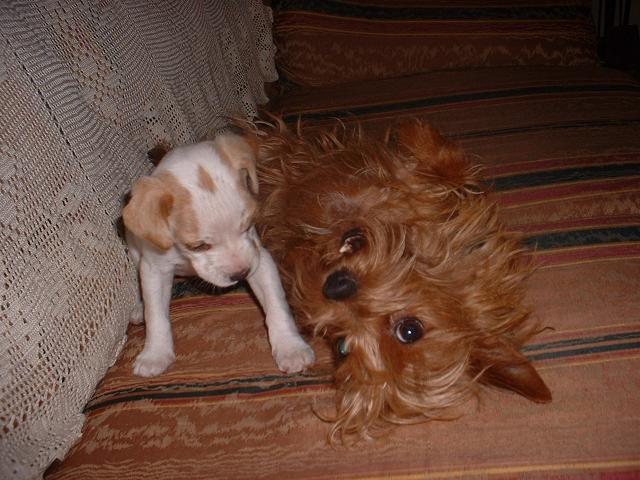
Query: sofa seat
[224,411]
[561,148]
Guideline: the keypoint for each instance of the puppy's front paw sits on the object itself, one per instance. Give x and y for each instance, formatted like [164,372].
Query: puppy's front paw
[152,362]
[293,355]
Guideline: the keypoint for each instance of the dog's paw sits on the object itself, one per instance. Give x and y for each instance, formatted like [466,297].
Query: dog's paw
[136,317]
[293,355]
[153,362]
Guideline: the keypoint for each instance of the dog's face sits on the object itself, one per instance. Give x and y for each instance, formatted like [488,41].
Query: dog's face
[392,251]
[200,204]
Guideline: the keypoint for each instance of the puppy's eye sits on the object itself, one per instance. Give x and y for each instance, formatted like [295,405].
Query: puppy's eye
[199,246]
[409,330]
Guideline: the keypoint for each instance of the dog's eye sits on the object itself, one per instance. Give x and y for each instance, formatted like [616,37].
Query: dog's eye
[409,329]
[199,246]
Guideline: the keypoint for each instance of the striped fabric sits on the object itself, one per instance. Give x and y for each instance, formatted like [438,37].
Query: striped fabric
[328,42]
[224,412]
[561,147]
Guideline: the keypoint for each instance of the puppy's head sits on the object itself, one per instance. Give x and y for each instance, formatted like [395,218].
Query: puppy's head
[393,252]
[200,201]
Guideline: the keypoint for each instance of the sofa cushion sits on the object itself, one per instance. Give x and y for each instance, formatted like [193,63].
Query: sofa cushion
[561,147]
[328,42]
[224,411]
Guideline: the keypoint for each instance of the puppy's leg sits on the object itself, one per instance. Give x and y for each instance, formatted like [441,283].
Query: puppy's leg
[290,351]
[136,317]
[157,353]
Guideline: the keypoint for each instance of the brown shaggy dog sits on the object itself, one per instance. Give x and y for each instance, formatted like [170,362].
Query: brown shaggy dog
[392,250]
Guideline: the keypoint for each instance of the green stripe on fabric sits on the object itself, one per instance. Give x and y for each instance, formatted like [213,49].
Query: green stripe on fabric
[426,12]
[584,351]
[581,341]
[581,238]
[167,394]
[204,385]
[461,98]
[551,177]
[250,385]
[547,126]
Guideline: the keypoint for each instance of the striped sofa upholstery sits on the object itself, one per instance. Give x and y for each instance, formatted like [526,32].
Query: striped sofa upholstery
[560,146]
[328,42]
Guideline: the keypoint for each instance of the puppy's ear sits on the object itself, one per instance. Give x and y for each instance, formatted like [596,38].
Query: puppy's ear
[433,155]
[504,367]
[240,152]
[148,210]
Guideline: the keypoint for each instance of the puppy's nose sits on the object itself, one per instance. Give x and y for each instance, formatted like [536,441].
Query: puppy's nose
[239,276]
[340,285]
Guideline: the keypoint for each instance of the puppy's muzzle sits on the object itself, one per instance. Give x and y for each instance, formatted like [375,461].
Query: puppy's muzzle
[340,285]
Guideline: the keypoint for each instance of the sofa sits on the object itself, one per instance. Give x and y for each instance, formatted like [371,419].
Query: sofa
[517,84]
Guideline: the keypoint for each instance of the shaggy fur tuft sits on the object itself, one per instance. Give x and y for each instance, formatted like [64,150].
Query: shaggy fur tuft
[392,249]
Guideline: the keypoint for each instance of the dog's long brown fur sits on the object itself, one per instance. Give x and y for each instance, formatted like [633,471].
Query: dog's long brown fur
[379,236]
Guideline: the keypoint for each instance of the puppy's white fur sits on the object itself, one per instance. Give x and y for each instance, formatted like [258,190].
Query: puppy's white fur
[194,216]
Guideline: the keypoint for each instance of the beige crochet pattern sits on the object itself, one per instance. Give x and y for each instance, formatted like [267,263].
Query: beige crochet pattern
[86,88]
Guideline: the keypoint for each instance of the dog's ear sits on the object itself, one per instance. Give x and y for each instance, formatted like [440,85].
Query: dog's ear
[148,210]
[240,152]
[504,367]
[431,154]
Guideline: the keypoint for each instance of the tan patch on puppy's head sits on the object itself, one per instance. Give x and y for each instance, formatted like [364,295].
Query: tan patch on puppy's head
[205,181]
[240,154]
[154,201]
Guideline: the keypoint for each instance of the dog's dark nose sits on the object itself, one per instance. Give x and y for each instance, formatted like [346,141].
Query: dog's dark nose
[239,276]
[340,285]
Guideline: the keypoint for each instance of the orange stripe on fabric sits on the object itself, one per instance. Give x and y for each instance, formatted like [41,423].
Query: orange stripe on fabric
[553,365]
[566,191]
[583,255]
[575,225]
[223,300]
[176,403]
[557,163]
[302,21]
[585,262]
[549,335]
[314,31]
[606,465]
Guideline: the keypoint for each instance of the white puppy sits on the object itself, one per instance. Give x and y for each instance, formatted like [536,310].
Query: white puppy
[194,216]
